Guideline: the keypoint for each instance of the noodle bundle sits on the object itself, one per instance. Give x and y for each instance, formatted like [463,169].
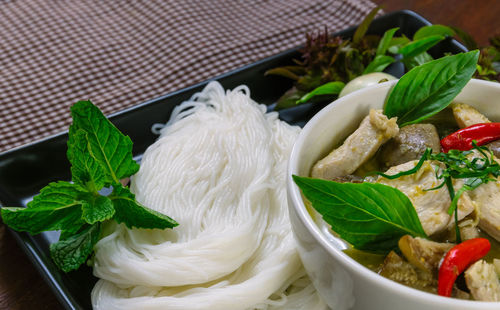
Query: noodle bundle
[218,168]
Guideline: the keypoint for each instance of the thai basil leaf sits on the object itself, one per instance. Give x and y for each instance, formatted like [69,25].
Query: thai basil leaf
[432,30]
[385,41]
[414,48]
[416,61]
[363,27]
[284,71]
[429,88]
[379,63]
[331,88]
[396,43]
[371,217]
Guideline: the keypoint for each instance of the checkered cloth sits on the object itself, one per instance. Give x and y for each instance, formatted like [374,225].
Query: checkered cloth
[121,53]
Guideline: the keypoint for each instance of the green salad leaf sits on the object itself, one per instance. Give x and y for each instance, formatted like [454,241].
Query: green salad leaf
[429,88]
[417,47]
[331,88]
[379,63]
[100,156]
[371,217]
[397,43]
[418,60]
[432,30]
[385,41]
[365,24]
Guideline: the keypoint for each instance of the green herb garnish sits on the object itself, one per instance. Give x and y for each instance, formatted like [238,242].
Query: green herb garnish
[331,88]
[429,88]
[371,217]
[479,170]
[433,30]
[327,59]
[100,156]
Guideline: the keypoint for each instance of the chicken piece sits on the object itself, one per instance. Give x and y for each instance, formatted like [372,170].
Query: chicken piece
[431,205]
[361,145]
[487,198]
[350,178]
[468,230]
[410,143]
[422,253]
[482,281]
[496,263]
[466,115]
[401,271]
[494,147]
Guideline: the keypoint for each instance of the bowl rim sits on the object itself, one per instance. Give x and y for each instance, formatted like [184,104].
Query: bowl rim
[345,260]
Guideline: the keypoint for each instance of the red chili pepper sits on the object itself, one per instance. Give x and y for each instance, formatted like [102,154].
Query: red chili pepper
[462,139]
[459,258]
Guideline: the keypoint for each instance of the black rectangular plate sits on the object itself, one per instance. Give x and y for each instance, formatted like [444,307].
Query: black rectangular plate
[25,170]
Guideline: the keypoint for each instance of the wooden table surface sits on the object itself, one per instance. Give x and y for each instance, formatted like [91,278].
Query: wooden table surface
[21,287]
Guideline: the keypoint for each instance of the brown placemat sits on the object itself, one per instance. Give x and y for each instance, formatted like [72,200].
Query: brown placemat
[121,53]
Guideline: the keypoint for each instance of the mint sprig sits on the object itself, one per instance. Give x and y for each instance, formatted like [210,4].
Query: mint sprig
[100,156]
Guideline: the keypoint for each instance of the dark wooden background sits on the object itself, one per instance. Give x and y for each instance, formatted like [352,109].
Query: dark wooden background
[21,287]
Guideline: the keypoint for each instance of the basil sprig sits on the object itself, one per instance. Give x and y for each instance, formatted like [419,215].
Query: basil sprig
[429,88]
[371,217]
[100,156]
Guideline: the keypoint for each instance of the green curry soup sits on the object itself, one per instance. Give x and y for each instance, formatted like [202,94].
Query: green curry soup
[414,166]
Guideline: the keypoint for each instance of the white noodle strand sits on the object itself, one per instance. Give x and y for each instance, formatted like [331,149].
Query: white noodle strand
[218,168]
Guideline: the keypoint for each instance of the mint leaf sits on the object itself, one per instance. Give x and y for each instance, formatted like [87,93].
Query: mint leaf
[107,144]
[331,88]
[57,207]
[69,253]
[85,169]
[371,217]
[100,156]
[429,88]
[133,214]
[431,30]
[97,208]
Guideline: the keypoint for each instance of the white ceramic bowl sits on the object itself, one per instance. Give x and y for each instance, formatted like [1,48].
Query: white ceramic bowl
[341,281]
